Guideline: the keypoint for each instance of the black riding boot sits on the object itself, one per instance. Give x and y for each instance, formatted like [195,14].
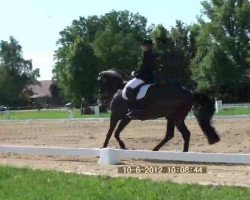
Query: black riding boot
[134,112]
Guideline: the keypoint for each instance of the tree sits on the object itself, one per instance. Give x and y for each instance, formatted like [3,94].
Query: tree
[176,49]
[117,50]
[223,48]
[118,44]
[15,71]
[76,73]
[57,97]
[108,41]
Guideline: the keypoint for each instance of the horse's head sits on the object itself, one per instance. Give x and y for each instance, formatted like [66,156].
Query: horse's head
[109,82]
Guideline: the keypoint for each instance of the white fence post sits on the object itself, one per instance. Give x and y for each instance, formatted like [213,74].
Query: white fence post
[70,110]
[218,106]
[7,114]
[70,113]
[97,111]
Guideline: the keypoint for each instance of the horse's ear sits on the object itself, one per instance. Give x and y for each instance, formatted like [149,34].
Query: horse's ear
[99,77]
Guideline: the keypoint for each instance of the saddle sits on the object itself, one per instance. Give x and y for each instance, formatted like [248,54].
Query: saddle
[134,94]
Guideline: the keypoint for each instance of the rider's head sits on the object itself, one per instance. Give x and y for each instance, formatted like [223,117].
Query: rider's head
[147,45]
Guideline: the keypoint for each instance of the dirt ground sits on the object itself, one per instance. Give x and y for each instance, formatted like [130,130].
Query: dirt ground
[235,138]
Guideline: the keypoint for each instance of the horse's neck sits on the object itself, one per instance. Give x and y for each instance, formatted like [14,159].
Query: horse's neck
[118,87]
[121,85]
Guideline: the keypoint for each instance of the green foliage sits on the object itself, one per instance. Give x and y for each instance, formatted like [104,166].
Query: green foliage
[76,73]
[83,70]
[221,62]
[175,49]
[15,72]
[118,44]
[117,50]
[210,56]
[56,94]
[37,184]
[93,44]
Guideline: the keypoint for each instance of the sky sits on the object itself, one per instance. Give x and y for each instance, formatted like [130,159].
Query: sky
[36,24]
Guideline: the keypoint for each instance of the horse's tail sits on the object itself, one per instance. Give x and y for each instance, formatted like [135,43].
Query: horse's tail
[203,109]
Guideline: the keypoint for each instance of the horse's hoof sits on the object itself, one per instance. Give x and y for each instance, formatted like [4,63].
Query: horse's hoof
[214,140]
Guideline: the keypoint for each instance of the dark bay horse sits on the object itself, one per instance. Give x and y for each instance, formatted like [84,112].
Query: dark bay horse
[172,102]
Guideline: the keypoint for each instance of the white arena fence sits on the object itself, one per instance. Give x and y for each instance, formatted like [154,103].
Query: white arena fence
[219,106]
[69,111]
[110,156]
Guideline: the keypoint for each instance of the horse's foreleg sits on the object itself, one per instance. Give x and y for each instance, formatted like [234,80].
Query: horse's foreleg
[113,122]
[185,135]
[123,123]
[169,135]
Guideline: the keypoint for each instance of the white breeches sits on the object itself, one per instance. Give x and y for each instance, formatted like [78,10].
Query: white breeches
[131,84]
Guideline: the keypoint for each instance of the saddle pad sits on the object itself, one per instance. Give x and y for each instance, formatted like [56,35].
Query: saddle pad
[141,94]
[143,91]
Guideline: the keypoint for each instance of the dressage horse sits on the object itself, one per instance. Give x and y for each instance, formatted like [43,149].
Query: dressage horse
[172,102]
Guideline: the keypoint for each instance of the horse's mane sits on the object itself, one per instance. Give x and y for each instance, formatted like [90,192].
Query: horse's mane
[113,73]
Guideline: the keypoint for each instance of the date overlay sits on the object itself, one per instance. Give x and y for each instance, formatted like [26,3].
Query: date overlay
[171,169]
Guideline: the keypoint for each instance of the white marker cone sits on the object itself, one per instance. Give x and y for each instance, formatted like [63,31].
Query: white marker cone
[109,157]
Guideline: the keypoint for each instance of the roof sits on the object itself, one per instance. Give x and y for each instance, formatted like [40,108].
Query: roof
[41,89]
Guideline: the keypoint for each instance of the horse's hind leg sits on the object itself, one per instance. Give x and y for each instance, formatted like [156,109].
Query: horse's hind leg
[113,122]
[169,135]
[181,126]
[123,123]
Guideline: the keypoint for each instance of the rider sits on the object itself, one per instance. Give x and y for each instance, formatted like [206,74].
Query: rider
[143,75]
